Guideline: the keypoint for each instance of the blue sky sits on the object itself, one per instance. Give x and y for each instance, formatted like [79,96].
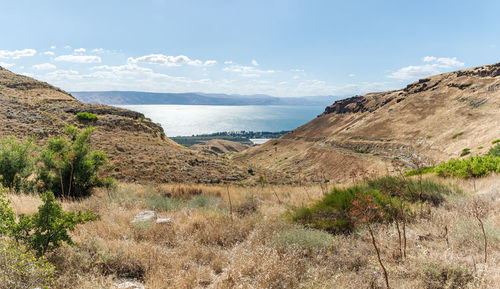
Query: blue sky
[282,48]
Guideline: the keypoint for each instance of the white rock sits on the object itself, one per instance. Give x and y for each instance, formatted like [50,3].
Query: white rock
[167,221]
[129,284]
[145,216]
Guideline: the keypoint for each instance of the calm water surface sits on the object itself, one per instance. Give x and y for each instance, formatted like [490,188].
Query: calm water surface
[185,120]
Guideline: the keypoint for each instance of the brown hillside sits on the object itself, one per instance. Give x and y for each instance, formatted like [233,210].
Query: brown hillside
[220,147]
[137,148]
[428,121]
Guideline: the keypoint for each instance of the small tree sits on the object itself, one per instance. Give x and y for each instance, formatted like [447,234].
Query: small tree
[16,162]
[7,216]
[47,229]
[70,168]
[365,211]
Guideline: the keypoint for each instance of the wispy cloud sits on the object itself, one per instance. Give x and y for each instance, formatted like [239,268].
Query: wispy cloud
[6,65]
[79,58]
[44,66]
[432,65]
[80,50]
[16,54]
[255,63]
[48,53]
[170,61]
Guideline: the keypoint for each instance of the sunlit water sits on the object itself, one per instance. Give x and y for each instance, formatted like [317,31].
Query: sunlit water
[185,120]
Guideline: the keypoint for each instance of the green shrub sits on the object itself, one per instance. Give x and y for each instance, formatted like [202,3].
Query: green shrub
[20,269]
[333,212]
[465,152]
[16,162]
[441,276]
[495,141]
[457,135]
[47,229]
[160,203]
[421,171]
[475,166]
[70,168]
[412,190]
[86,116]
[494,151]
[305,238]
[7,216]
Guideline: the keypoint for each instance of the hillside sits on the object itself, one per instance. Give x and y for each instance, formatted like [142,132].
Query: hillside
[428,121]
[194,98]
[220,146]
[137,148]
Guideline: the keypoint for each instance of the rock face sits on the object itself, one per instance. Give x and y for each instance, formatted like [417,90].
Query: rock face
[412,126]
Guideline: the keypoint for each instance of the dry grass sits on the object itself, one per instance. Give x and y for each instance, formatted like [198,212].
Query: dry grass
[206,247]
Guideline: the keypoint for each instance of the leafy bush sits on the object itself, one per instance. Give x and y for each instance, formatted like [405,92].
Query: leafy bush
[412,190]
[494,151]
[47,229]
[70,168]
[333,212]
[465,152]
[421,171]
[7,216]
[495,141]
[475,166]
[16,162]
[20,269]
[86,116]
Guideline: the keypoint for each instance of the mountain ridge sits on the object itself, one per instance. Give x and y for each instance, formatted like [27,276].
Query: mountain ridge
[116,97]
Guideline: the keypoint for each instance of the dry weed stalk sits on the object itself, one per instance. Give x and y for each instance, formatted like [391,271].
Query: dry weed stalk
[366,210]
[479,209]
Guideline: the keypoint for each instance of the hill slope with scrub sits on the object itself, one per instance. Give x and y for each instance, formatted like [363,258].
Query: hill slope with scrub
[137,148]
[429,121]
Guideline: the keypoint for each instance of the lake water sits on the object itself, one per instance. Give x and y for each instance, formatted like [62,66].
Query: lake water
[186,120]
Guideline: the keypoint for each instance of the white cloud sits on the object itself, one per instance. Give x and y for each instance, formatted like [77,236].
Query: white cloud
[44,66]
[80,50]
[79,58]
[255,63]
[52,47]
[433,65]
[170,61]
[6,65]
[210,63]
[64,74]
[16,54]
[228,62]
[352,75]
[67,47]
[247,71]
[48,53]
[98,50]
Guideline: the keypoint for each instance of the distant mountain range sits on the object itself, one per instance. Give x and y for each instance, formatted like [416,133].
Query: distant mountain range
[195,98]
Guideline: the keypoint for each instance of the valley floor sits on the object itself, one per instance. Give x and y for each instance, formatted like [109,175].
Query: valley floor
[240,237]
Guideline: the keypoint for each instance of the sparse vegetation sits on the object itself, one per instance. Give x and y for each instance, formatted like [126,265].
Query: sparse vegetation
[465,152]
[86,116]
[457,135]
[494,151]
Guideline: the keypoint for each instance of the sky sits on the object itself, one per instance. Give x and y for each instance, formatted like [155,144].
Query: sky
[281,48]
